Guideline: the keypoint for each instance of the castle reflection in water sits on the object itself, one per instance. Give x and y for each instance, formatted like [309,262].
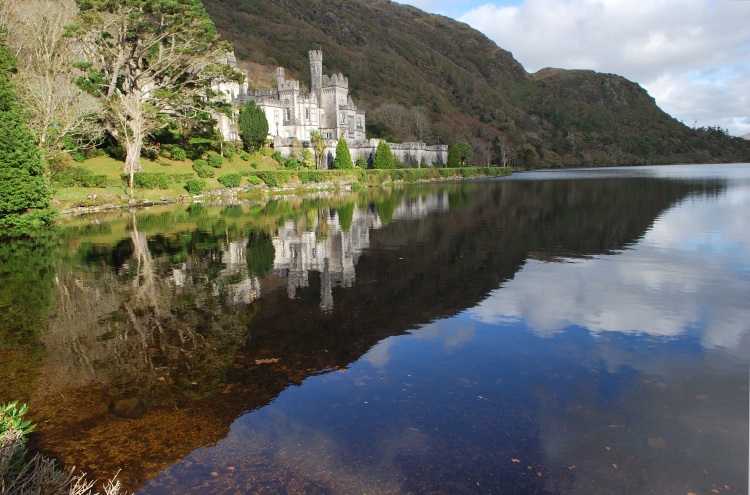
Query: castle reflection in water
[300,249]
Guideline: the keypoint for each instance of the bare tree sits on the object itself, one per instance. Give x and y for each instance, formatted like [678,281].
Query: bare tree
[58,109]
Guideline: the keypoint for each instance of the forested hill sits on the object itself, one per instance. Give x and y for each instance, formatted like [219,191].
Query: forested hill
[403,63]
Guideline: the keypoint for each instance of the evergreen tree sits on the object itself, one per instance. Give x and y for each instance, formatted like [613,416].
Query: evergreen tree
[343,158]
[465,152]
[454,157]
[253,126]
[384,157]
[24,196]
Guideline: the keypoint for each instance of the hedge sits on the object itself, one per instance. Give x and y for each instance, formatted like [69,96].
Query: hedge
[153,180]
[77,177]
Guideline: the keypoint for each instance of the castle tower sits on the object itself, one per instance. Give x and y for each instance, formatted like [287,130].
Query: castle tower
[279,77]
[316,71]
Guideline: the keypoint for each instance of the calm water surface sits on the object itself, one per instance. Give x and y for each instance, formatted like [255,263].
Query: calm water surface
[572,332]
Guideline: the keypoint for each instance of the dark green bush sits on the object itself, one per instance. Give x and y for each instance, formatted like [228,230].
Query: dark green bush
[178,153]
[230,180]
[214,159]
[195,186]
[244,156]
[291,163]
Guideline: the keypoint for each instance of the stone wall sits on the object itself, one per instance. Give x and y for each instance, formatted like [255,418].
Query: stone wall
[412,154]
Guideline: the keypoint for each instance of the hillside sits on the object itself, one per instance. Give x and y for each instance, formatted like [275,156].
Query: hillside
[470,88]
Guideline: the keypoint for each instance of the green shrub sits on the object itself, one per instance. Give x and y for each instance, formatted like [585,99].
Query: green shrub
[254,165]
[178,154]
[78,157]
[361,162]
[306,176]
[195,186]
[277,156]
[76,177]
[93,181]
[230,180]
[244,156]
[203,170]
[291,163]
[274,178]
[148,180]
[254,180]
[11,418]
[214,159]
[263,151]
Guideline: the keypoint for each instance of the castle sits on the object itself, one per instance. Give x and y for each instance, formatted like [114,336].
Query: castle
[328,109]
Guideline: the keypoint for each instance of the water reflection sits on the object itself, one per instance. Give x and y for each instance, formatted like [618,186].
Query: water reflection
[681,280]
[414,340]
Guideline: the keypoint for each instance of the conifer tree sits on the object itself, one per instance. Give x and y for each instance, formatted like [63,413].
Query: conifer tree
[24,196]
[343,158]
[384,157]
[253,125]
[454,157]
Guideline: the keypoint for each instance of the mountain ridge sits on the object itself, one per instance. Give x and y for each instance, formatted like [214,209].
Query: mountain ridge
[472,89]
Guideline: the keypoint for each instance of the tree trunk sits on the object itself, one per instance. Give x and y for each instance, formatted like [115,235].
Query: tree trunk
[133,157]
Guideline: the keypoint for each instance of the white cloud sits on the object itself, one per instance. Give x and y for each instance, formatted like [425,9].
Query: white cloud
[694,57]
[666,286]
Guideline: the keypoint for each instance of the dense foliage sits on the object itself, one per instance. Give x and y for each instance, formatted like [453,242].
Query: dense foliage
[343,160]
[384,158]
[149,62]
[253,126]
[24,196]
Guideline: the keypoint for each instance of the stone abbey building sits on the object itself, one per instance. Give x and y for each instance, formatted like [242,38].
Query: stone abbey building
[327,109]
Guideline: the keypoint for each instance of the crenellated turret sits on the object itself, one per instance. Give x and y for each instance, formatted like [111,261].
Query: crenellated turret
[316,71]
[279,77]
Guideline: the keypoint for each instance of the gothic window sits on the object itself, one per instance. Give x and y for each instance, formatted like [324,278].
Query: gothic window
[359,123]
[343,118]
[307,113]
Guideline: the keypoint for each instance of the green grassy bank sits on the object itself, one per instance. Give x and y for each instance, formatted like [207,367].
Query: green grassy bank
[99,182]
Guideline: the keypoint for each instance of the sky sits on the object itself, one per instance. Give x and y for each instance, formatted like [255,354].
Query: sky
[693,57]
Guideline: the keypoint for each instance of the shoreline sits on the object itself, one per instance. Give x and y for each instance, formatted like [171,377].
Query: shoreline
[262,190]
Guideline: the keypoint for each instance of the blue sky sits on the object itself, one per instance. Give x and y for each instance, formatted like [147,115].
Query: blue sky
[692,57]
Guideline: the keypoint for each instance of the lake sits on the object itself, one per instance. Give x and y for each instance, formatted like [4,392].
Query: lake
[565,332]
